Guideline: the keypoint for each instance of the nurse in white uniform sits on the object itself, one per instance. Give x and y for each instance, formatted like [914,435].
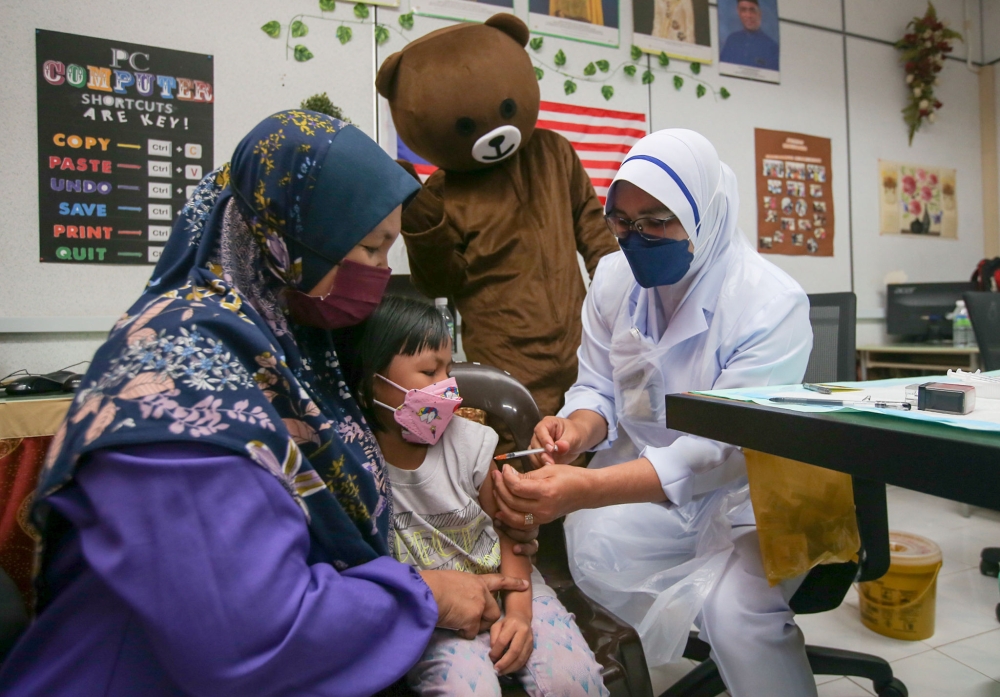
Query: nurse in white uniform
[664,534]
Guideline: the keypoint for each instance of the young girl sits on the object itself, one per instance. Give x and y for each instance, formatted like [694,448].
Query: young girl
[442,508]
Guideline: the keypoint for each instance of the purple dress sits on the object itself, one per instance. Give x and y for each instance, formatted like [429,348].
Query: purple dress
[185,570]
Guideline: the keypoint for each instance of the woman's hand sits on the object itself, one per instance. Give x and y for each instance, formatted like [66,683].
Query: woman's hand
[545,494]
[465,601]
[561,439]
[511,642]
[564,439]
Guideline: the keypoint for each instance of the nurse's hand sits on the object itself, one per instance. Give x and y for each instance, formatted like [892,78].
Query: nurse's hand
[543,494]
[466,602]
[564,439]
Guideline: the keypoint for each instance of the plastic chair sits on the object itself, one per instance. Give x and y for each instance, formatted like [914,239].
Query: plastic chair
[615,643]
[832,316]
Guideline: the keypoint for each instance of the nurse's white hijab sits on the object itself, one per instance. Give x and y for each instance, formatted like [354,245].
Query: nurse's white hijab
[681,169]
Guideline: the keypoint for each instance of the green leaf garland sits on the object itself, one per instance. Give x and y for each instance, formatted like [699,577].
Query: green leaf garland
[648,77]
[608,91]
[272,29]
[361,11]
[539,73]
[299,29]
[664,59]
[302,54]
[636,53]
[569,87]
[327,5]
[536,43]
[560,58]
[591,69]
[724,93]
[700,91]
[381,34]
[603,66]
[629,70]
[344,33]
[406,21]
[678,82]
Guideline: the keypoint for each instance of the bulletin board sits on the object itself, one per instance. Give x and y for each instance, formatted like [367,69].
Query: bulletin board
[794,192]
[124,135]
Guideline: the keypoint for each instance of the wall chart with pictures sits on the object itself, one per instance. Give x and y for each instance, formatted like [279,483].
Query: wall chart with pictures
[917,200]
[794,194]
[124,135]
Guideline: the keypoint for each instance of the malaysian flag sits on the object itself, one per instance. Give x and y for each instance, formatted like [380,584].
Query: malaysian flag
[601,138]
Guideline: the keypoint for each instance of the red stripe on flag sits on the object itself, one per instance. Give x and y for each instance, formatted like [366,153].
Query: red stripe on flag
[588,128]
[601,147]
[601,182]
[425,169]
[601,164]
[589,111]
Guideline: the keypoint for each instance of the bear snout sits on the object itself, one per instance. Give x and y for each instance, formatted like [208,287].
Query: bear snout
[498,144]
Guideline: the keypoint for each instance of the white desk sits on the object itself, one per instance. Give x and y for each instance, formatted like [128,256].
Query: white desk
[917,358]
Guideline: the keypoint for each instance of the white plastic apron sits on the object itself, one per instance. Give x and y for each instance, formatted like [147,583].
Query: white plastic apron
[652,565]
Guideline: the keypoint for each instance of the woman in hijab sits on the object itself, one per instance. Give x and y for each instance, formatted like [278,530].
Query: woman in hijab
[687,305]
[215,513]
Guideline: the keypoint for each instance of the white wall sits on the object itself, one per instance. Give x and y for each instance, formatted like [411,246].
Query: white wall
[858,109]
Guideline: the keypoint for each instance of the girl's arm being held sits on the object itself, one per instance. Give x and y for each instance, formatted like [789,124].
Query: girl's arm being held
[511,638]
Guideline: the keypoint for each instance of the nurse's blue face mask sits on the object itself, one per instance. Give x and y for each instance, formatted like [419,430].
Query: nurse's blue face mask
[655,260]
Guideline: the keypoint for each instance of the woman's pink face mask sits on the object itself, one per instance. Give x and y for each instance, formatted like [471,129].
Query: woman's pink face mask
[425,413]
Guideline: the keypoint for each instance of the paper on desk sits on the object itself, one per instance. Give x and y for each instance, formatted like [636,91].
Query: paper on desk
[985,417]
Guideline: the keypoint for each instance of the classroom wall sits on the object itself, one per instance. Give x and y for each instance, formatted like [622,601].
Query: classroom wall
[849,89]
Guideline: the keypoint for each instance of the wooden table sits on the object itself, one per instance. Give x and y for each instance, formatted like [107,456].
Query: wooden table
[917,359]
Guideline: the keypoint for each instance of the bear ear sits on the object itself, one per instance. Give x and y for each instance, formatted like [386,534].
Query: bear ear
[510,25]
[385,81]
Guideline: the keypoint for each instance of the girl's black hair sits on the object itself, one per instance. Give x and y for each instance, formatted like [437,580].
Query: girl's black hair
[399,326]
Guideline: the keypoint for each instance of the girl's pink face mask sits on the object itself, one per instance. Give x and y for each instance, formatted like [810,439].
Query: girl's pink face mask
[426,413]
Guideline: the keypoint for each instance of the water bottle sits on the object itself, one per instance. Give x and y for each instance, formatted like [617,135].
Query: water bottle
[961,326]
[441,305]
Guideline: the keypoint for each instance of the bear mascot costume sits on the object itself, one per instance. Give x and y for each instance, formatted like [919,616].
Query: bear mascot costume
[497,228]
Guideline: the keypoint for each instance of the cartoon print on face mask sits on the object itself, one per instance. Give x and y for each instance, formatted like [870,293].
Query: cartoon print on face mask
[425,413]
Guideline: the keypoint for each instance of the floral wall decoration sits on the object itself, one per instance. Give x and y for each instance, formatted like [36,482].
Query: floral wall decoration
[917,200]
[598,72]
[925,45]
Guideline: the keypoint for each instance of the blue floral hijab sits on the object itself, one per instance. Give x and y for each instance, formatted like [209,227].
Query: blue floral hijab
[208,355]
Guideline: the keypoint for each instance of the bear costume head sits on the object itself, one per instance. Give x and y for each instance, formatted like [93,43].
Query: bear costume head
[464,97]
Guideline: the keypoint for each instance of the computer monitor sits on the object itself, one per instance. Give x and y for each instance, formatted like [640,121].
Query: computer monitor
[917,311]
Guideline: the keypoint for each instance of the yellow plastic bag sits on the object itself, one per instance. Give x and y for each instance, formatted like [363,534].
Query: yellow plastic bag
[805,515]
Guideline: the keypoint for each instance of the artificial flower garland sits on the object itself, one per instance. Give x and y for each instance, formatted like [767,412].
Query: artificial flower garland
[924,47]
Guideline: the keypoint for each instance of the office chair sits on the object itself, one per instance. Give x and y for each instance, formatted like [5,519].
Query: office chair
[984,312]
[832,316]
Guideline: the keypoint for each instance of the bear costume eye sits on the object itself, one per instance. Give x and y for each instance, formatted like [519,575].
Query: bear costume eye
[508,108]
[465,126]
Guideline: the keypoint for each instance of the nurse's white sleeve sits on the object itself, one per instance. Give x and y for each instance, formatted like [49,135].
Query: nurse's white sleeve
[775,354]
[594,388]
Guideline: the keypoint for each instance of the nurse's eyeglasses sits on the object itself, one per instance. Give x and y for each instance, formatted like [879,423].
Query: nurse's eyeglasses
[650,229]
